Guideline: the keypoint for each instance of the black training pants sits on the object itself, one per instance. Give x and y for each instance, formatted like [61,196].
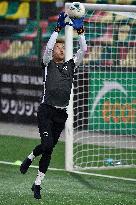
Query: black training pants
[51,122]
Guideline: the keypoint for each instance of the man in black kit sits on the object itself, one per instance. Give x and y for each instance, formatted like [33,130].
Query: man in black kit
[57,80]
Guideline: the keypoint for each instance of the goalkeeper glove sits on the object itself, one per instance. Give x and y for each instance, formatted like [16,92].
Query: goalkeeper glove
[78,24]
[61,22]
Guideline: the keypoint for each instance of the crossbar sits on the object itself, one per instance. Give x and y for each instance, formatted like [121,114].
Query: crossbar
[109,7]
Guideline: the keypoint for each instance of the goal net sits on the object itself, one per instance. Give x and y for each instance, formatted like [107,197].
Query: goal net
[101,129]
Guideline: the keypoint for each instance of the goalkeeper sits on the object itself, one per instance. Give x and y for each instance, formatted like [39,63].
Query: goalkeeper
[57,81]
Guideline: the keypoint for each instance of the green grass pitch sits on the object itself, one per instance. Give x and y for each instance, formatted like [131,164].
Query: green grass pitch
[59,187]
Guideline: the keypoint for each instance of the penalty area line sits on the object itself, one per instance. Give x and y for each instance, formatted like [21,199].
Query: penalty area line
[105,176]
[33,166]
[18,163]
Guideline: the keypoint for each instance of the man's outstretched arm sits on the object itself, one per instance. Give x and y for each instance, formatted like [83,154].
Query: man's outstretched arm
[78,58]
[47,55]
[78,25]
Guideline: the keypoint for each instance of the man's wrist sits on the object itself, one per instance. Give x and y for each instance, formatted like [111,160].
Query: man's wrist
[57,29]
[80,30]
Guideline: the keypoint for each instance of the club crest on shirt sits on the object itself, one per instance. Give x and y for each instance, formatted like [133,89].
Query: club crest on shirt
[65,67]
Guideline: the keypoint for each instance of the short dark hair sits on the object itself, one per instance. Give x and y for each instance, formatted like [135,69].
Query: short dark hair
[60,40]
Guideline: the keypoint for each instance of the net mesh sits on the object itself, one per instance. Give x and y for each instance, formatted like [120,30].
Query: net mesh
[104,92]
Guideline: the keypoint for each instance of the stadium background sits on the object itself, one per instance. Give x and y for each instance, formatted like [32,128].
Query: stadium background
[25,27]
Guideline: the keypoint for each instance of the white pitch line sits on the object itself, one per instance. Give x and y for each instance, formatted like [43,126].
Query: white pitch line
[106,176]
[33,166]
[76,172]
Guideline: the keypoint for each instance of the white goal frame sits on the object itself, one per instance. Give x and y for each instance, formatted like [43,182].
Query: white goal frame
[69,54]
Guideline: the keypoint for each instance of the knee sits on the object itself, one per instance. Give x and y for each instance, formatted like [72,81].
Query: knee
[47,149]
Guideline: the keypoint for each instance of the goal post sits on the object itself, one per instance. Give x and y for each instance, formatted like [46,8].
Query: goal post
[101,127]
[69,122]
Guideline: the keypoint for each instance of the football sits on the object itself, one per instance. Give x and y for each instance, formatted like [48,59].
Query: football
[76,10]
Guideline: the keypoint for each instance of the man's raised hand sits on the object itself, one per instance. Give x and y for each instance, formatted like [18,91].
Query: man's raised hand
[78,24]
[61,22]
